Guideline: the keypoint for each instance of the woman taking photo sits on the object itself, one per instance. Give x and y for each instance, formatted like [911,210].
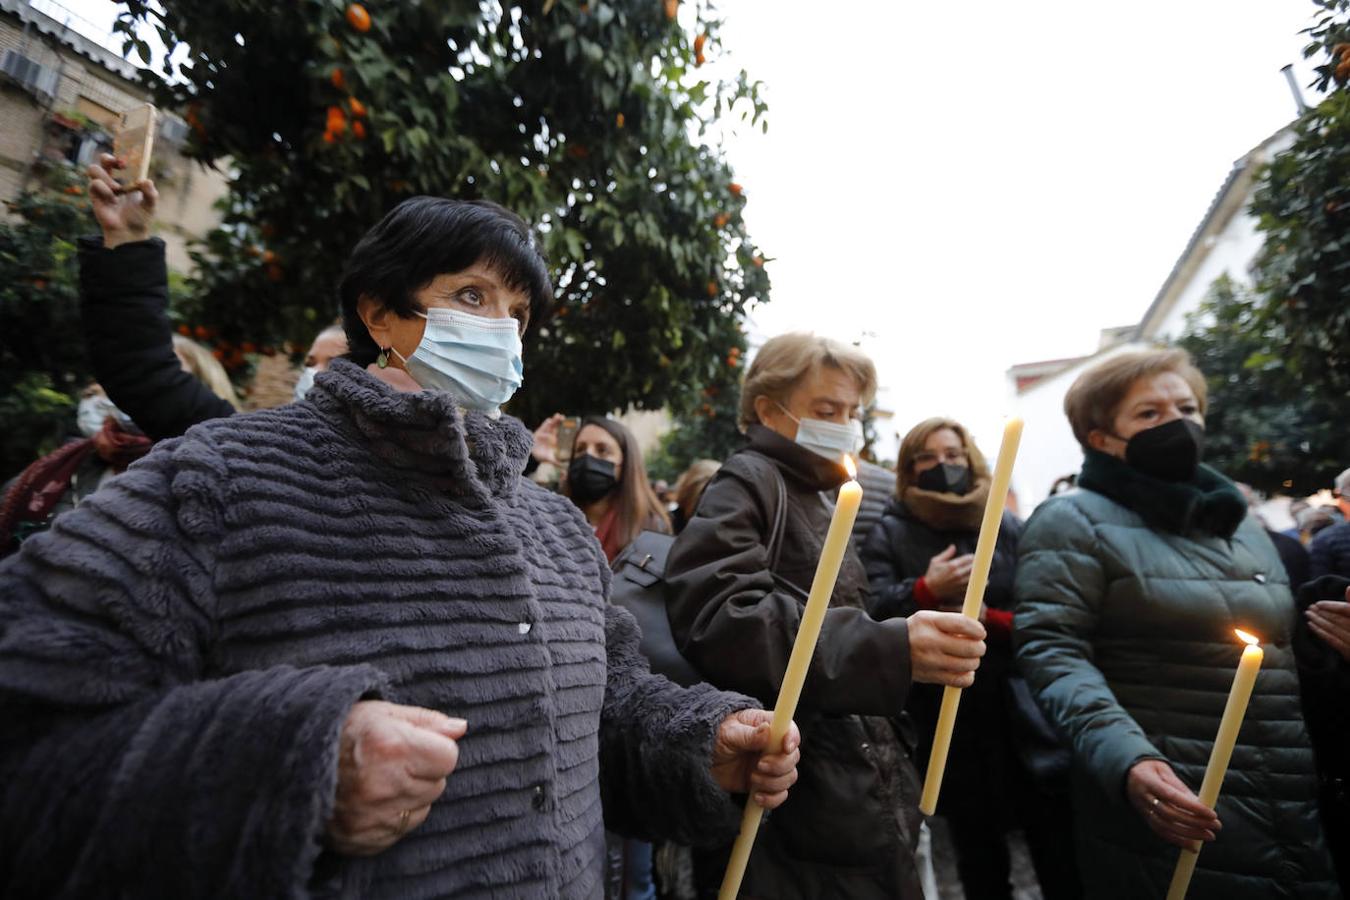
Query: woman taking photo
[1128,591]
[919,557]
[342,648]
[738,581]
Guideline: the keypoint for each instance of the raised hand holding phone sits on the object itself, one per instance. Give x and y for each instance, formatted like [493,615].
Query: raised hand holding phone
[124,216]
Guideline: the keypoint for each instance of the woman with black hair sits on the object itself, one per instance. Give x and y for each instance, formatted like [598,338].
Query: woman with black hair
[343,647]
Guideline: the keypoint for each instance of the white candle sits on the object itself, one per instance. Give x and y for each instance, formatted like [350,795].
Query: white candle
[1238,698]
[808,632]
[979,579]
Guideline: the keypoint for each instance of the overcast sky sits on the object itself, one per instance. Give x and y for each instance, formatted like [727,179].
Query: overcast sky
[975,185]
[987,183]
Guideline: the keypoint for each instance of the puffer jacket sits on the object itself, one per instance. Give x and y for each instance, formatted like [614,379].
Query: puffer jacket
[849,827]
[1126,606]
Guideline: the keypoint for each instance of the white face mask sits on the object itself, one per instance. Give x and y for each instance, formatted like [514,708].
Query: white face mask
[827,438]
[474,358]
[93,410]
[305,383]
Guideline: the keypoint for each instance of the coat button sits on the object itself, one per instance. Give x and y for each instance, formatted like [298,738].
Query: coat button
[538,800]
[1259,578]
[523,627]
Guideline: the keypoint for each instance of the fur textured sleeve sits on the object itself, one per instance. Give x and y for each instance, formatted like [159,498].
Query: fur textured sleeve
[127,768]
[656,742]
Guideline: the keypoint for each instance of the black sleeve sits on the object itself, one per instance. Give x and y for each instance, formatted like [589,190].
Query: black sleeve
[891,593]
[124,295]
[737,626]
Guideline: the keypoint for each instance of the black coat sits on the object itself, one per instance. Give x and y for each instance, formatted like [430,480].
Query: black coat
[850,824]
[124,297]
[982,765]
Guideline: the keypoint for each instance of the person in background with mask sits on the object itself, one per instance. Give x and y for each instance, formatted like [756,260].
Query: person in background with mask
[1128,591]
[328,345]
[109,442]
[919,556]
[144,367]
[735,600]
[607,480]
[342,647]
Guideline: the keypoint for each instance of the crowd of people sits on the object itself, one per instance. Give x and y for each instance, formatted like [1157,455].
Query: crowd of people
[349,647]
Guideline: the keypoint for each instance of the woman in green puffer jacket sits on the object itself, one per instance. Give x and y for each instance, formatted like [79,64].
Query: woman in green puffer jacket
[1128,590]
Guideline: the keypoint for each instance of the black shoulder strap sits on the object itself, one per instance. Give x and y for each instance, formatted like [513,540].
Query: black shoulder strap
[753,459]
[779,520]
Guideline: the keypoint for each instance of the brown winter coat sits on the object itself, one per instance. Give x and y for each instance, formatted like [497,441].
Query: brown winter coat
[850,824]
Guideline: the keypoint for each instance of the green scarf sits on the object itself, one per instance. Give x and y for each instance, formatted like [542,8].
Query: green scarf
[1208,502]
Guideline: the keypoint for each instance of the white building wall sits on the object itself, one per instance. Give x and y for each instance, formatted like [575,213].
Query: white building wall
[1049,450]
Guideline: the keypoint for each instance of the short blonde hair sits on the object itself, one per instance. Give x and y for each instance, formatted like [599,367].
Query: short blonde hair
[913,445]
[1095,397]
[206,368]
[785,360]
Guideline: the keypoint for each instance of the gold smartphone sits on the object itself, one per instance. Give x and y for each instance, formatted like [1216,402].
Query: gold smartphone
[567,436]
[133,143]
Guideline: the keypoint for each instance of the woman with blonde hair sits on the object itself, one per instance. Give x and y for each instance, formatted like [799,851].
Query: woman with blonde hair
[198,362]
[1129,590]
[738,578]
[919,556]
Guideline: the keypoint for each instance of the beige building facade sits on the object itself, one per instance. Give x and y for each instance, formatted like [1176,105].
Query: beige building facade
[62,92]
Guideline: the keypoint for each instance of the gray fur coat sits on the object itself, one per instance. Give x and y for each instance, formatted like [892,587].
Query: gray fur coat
[177,657]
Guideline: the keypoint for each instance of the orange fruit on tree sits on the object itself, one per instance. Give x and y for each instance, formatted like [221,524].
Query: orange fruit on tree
[269,257]
[736,189]
[699,42]
[337,122]
[1343,70]
[618,120]
[712,289]
[358,108]
[337,78]
[359,130]
[358,18]
[672,6]
[329,137]
[758,262]
[185,331]
[721,219]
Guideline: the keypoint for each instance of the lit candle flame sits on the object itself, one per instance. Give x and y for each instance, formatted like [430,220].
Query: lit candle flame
[1248,638]
[852,469]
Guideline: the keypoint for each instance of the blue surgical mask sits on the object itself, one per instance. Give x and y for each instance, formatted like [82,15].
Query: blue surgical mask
[828,439]
[305,383]
[473,358]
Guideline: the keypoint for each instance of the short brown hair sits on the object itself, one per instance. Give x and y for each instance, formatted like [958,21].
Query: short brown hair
[787,359]
[918,436]
[1095,397]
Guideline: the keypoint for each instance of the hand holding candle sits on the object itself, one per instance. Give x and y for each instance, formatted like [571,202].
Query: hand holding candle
[1233,713]
[979,578]
[803,648]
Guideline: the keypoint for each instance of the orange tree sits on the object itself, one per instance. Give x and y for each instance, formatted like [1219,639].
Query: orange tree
[586,118]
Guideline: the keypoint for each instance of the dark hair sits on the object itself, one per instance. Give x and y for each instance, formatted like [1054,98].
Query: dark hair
[638,505]
[424,237]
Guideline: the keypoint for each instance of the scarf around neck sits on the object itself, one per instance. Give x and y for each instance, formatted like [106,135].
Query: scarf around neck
[943,511]
[1208,503]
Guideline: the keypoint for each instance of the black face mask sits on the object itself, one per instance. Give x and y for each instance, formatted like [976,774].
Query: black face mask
[590,478]
[945,478]
[1169,452]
